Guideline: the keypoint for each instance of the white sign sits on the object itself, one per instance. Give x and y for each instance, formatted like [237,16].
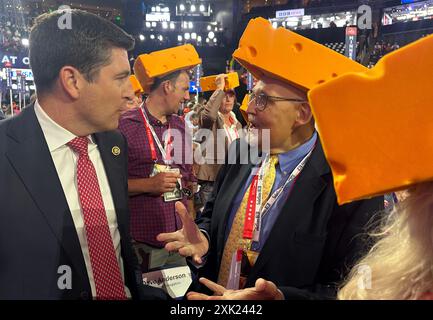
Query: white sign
[27,72]
[174,281]
[289,13]
[159,16]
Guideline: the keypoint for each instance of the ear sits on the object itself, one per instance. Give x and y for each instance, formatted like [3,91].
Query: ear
[304,114]
[71,81]
[167,86]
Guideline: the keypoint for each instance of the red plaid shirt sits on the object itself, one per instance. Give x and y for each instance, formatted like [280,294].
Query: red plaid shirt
[150,215]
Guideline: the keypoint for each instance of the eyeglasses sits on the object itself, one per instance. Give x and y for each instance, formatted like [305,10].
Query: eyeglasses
[261,100]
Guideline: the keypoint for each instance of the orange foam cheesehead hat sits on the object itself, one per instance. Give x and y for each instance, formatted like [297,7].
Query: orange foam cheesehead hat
[231,82]
[376,127]
[244,106]
[290,57]
[136,86]
[149,66]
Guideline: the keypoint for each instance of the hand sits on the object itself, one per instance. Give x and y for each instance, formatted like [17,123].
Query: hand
[164,182]
[188,241]
[220,81]
[263,290]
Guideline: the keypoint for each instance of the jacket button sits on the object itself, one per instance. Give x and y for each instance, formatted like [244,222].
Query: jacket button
[84,295]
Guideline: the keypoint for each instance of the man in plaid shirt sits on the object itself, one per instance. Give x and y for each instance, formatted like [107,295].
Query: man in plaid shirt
[150,213]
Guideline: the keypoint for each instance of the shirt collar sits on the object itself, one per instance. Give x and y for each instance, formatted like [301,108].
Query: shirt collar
[154,121]
[55,135]
[233,119]
[286,160]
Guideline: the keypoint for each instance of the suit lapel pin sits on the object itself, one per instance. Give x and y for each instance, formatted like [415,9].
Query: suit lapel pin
[115,150]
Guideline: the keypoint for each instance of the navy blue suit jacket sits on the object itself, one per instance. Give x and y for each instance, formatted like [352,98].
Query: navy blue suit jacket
[37,233]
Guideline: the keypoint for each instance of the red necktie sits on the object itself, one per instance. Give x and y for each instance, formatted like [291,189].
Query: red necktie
[106,271]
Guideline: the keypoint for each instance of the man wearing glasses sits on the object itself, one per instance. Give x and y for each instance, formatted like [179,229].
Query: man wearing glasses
[278,218]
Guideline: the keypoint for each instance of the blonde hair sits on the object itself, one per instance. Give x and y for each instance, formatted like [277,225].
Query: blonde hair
[400,265]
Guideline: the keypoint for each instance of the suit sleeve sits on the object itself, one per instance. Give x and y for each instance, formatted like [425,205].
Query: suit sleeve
[346,243]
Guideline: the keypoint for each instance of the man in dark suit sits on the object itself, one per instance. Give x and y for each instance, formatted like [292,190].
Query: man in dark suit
[64,231]
[277,216]
[309,241]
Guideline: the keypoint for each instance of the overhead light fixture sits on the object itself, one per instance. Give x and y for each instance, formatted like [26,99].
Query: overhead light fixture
[182,7]
[215,40]
[275,25]
[148,25]
[209,28]
[192,9]
[141,37]
[164,25]
[158,9]
[152,36]
[172,25]
[211,35]
[199,38]
[187,36]
[160,38]
[207,40]
[25,42]
[153,24]
[202,8]
[193,35]
[190,25]
[179,38]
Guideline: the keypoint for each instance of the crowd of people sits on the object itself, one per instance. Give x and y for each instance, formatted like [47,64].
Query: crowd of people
[117,185]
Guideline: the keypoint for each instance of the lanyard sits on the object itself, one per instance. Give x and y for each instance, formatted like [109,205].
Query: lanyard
[229,136]
[254,210]
[165,152]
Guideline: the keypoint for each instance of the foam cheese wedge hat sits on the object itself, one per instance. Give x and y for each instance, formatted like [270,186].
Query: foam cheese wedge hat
[208,83]
[160,63]
[136,86]
[244,106]
[376,127]
[288,56]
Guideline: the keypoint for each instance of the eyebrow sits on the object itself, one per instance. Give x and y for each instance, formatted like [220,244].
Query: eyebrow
[123,74]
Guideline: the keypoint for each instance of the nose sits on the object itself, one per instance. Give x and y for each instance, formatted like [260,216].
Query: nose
[251,106]
[129,93]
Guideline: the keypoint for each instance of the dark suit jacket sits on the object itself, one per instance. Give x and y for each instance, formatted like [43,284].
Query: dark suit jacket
[313,241]
[37,233]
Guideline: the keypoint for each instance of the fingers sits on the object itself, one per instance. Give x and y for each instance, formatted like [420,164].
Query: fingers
[170,180]
[215,287]
[169,237]
[196,296]
[268,288]
[182,211]
[261,285]
[174,245]
[172,175]
[169,187]
[197,259]
[185,251]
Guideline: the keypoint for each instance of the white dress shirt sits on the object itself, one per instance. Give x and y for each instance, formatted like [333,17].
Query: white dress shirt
[231,131]
[65,161]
